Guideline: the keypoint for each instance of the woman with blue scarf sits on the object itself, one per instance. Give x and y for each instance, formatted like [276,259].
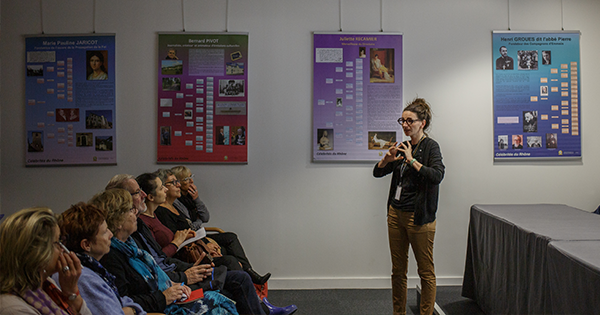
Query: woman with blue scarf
[136,273]
[85,232]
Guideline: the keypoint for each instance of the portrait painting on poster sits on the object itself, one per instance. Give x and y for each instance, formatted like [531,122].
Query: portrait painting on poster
[357,95]
[537,96]
[70,100]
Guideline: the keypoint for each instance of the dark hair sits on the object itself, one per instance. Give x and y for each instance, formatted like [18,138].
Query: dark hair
[422,109]
[81,221]
[100,56]
[147,182]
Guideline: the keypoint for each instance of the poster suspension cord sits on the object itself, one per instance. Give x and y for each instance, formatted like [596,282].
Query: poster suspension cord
[227,16]
[94,18]
[183,15]
[508,4]
[381,15]
[562,16]
[340,5]
[42,15]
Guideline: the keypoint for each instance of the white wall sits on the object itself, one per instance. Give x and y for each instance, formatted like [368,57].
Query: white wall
[312,225]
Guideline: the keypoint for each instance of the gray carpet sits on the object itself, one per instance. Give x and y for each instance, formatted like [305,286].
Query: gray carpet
[368,301]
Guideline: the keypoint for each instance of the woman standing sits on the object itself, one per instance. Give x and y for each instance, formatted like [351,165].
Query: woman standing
[412,203]
[30,252]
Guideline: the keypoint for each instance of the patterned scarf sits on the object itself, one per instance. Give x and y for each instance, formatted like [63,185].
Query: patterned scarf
[143,263]
[95,266]
[48,300]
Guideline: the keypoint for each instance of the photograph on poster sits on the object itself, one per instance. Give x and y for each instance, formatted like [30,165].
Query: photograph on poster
[362,52]
[188,114]
[503,142]
[382,65]
[171,67]
[544,90]
[534,141]
[171,84]
[325,137]
[231,88]
[234,68]
[165,135]
[530,122]
[238,136]
[546,57]
[551,141]
[527,59]
[338,102]
[35,70]
[96,67]
[517,142]
[67,114]
[171,54]
[381,140]
[98,119]
[223,135]
[35,142]
[104,143]
[84,139]
[504,62]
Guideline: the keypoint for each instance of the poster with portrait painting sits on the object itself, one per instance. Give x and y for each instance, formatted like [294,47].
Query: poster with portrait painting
[357,95]
[70,100]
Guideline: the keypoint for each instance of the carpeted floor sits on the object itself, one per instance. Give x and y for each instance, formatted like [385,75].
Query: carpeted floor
[368,302]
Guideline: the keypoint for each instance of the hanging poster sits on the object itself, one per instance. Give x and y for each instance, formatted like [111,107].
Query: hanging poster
[357,95]
[202,98]
[70,100]
[536,95]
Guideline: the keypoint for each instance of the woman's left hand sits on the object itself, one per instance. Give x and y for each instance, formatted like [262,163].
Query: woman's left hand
[193,191]
[69,271]
[407,150]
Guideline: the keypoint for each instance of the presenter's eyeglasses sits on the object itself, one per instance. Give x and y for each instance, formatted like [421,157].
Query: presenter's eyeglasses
[408,121]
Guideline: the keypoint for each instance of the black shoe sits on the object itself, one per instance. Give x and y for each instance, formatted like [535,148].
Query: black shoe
[258,279]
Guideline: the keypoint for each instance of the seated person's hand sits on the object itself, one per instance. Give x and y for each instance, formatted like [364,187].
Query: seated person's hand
[214,249]
[180,237]
[193,191]
[175,292]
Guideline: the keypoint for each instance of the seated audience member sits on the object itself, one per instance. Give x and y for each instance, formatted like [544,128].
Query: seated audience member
[156,194]
[189,203]
[139,277]
[178,271]
[136,273]
[86,233]
[228,242]
[30,252]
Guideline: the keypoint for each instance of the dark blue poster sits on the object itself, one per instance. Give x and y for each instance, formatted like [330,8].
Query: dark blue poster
[536,94]
[70,100]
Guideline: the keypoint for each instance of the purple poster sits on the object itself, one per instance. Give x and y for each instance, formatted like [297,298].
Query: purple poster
[357,95]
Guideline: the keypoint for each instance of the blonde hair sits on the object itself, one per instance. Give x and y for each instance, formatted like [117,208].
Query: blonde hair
[26,248]
[180,172]
[116,203]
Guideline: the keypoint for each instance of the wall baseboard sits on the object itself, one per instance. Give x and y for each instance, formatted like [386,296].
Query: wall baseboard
[350,283]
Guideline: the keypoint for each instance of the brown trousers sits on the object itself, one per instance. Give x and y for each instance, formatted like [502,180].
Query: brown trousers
[403,232]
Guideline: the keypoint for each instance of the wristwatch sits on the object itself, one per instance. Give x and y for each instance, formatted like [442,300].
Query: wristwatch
[73,296]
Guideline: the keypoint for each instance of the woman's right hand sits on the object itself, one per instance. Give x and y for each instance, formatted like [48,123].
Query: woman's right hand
[390,156]
[180,237]
[175,292]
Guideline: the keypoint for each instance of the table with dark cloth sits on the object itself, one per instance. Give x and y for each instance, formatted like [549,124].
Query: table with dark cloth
[506,268]
[574,277]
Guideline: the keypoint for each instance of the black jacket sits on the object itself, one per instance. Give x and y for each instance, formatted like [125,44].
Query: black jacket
[428,180]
